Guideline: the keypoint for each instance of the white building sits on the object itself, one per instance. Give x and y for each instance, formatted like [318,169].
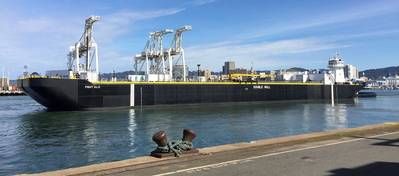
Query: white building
[4,83]
[295,76]
[336,66]
[392,81]
[322,77]
[351,72]
[136,78]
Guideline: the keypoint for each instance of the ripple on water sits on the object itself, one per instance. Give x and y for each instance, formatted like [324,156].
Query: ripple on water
[34,140]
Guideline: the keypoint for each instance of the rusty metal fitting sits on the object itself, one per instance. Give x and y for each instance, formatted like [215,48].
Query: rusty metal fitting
[188,135]
[160,138]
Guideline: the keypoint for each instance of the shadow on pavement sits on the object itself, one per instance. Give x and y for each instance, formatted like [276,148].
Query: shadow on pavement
[390,142]
[384,142]
[372,169]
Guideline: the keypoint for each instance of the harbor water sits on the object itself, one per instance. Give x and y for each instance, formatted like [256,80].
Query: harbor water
[35,140]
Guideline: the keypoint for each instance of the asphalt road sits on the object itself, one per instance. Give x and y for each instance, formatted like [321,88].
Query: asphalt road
[376,155]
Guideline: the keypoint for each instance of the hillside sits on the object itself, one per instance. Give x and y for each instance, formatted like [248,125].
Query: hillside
[380,72]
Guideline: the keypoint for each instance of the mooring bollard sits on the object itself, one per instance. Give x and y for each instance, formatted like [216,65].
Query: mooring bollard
[162,142]
[176,147]
[188,135]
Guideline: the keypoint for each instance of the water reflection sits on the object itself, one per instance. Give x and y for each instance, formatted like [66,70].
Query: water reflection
[132,127]
[90,139]
[336,116]
[41,141]
[306,117]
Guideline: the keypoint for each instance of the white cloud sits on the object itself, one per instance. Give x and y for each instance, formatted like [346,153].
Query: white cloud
[202,2]
[42,43]
[116,24]
[335,16]
[265,54]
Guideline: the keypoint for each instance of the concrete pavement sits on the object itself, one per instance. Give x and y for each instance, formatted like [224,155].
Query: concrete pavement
[376,155]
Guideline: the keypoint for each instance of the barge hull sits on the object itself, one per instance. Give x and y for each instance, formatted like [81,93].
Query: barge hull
[75,94]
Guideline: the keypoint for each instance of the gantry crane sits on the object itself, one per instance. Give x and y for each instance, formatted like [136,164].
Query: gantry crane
[176,50]
[153,56]
[85,48]
[156,59]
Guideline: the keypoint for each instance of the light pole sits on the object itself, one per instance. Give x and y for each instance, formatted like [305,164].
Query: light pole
[198,71]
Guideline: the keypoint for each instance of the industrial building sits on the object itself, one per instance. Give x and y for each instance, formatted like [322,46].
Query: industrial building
[228,67]
[4,83]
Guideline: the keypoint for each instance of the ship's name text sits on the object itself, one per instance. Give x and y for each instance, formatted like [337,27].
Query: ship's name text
[261,87]
[92,87]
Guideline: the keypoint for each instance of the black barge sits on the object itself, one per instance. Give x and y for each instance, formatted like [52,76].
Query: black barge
[80,94]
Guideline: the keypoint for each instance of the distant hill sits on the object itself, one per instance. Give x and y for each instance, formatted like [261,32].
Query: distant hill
[296,69]
[380,72]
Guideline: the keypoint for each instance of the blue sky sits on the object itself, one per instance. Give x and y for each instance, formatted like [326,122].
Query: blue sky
[268,34]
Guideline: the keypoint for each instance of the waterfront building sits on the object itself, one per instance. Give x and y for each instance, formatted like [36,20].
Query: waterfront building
[392,81]
[297,76]
[351,72]
[228,67]
[375,84]
[239,71]
[4,83]
[203,75]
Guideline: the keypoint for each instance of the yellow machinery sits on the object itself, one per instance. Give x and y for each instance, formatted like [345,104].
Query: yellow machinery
[247,76]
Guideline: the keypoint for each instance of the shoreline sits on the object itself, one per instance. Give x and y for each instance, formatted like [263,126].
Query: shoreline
[264,144]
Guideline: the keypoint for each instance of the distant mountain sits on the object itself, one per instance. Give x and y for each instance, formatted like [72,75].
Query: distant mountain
[380,72]
[296,69]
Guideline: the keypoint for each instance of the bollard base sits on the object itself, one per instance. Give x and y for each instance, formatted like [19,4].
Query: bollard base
[163,155]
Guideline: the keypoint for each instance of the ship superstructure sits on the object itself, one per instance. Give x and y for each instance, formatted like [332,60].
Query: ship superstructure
[336,66]
[161,79]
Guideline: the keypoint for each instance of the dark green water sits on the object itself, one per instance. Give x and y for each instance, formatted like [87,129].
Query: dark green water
[34,140]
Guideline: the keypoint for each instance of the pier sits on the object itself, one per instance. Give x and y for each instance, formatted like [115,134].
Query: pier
[364,150]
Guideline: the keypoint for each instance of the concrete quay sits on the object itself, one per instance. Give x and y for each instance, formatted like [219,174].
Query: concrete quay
[366,150]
